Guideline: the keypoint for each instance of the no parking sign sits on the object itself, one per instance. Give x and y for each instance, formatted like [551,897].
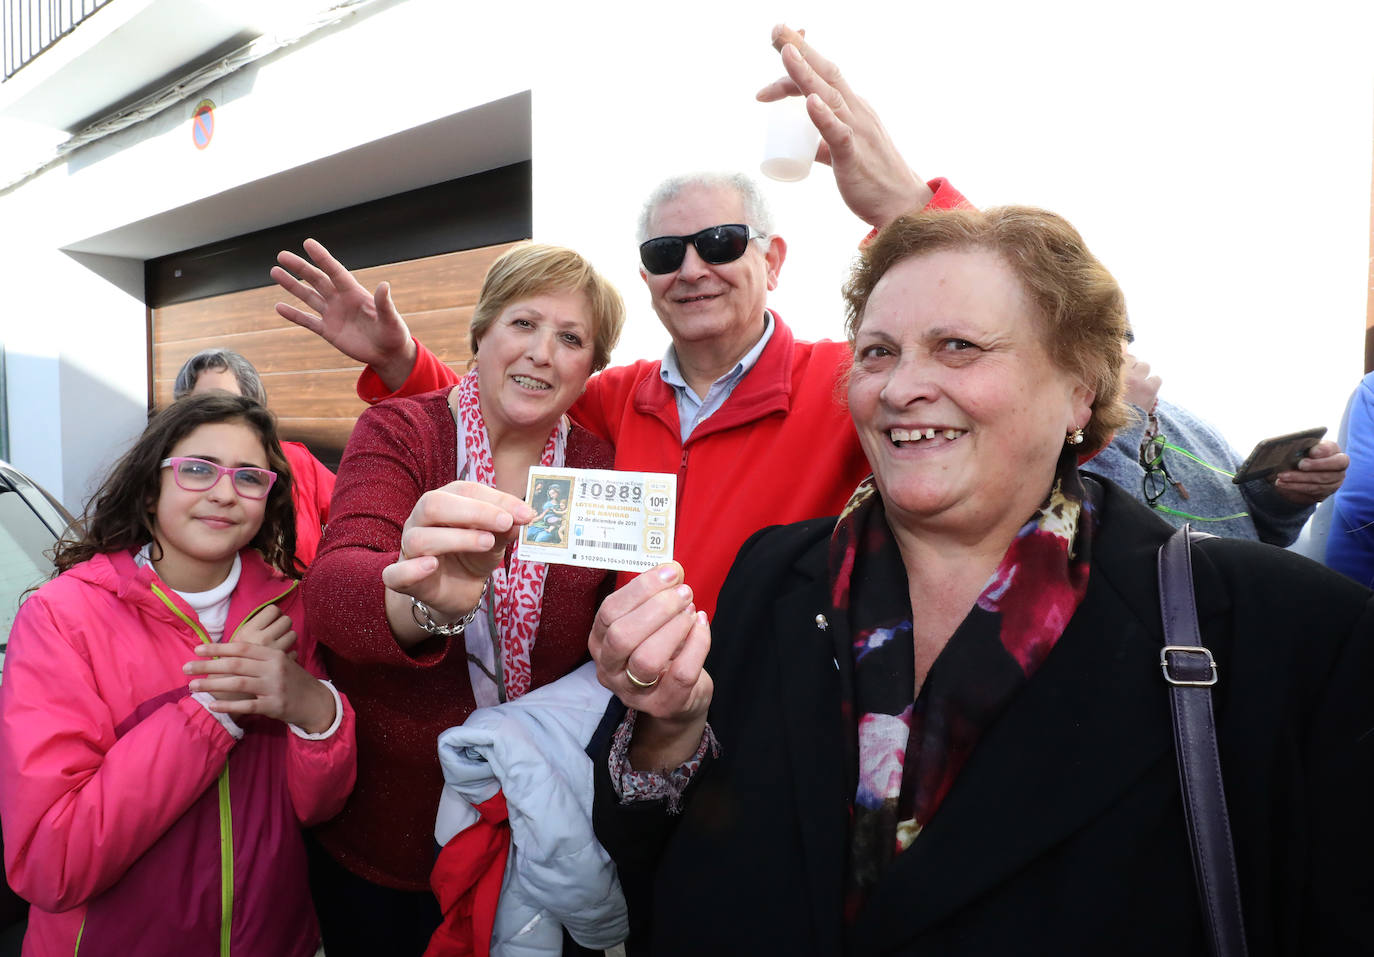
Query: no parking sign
[203,124]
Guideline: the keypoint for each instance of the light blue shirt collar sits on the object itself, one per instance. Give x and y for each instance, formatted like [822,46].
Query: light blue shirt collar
[692,409]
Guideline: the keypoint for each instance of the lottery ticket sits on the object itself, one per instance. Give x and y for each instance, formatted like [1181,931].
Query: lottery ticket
[599,518]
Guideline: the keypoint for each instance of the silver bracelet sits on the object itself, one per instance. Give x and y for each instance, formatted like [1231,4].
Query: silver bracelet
[425,618]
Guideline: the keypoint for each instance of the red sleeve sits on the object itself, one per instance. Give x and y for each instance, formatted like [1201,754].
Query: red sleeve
[324,489]
[589,411]
[391,457]
[608,397]
[73,793]
[946,196]
[428,374]
[320,774]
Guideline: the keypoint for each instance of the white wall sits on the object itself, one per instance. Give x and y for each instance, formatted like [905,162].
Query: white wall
[1216,156]
[75,350]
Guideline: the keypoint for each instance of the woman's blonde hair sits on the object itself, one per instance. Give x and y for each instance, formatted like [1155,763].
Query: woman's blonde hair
[532,269]
[1081,308]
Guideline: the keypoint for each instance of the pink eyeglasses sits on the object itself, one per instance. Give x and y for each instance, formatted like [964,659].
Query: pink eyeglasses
[198,475]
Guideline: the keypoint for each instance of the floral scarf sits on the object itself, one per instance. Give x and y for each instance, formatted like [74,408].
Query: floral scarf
[516,592]
[905,754]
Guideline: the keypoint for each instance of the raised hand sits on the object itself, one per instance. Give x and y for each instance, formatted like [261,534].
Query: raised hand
[362,325]
[1137,385]
[873,179]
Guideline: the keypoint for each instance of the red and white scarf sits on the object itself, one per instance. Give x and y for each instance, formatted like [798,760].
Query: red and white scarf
[516,592]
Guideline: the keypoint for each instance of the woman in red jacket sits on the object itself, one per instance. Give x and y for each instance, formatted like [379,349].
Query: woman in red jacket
[146,812]
[430,614]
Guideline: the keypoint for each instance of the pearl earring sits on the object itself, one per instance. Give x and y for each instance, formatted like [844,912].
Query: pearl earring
[1074,438]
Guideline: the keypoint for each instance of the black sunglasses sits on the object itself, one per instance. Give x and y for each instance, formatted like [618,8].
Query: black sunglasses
[716,245]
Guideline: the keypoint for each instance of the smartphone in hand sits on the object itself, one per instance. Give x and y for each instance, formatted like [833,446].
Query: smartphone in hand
[1279,454]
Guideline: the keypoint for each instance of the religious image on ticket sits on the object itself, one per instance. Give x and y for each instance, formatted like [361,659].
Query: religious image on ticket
[549,497]
[600,518]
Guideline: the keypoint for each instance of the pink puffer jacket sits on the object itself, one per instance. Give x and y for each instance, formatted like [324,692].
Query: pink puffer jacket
[133,821]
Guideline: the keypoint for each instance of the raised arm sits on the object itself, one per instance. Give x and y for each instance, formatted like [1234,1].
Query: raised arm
[392,492]
[873,178]
[391,459]
[362,325]
[453,540]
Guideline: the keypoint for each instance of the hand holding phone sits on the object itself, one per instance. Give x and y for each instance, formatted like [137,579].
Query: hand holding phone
[1278,454]
[1316,477]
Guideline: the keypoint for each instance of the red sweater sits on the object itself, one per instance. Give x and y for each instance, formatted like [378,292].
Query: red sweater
[397,451]
[781,449]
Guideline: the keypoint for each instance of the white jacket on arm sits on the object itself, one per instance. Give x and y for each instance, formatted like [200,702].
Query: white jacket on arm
[557,875]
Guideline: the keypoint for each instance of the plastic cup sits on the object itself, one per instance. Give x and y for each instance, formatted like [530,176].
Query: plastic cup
[790,146]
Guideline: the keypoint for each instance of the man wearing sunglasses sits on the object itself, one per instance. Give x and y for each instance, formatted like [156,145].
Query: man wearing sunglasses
[1182,467]
[746,415]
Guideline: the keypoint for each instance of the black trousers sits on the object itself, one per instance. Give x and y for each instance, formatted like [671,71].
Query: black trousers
[358,917]
[361,919]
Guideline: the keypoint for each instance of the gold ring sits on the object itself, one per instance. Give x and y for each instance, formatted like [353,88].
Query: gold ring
[639,683]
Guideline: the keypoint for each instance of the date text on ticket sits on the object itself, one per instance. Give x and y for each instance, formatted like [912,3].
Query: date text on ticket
[599,518]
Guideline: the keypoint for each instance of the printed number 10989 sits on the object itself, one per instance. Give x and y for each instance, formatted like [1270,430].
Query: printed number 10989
[612,491]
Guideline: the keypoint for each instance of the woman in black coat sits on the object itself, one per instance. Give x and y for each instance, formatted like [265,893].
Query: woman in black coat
[937,725]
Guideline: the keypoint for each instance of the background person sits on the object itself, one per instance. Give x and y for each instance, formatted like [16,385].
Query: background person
[426,611]
[945,731]
[312,482]
[119,782]
[737,402]
[1350,542]
[1182,468]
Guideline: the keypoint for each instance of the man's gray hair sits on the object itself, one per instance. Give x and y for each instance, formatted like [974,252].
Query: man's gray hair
[250,383]
[756,212]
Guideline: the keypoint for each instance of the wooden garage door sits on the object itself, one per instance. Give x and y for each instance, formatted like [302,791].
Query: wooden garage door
[310,386]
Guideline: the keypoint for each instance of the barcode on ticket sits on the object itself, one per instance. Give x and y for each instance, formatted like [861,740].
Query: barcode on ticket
[621,546]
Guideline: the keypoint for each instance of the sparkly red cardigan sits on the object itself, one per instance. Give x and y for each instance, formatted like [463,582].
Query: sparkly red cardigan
[398,450]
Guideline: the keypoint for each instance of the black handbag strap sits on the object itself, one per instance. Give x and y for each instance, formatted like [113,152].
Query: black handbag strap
[1191,671]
